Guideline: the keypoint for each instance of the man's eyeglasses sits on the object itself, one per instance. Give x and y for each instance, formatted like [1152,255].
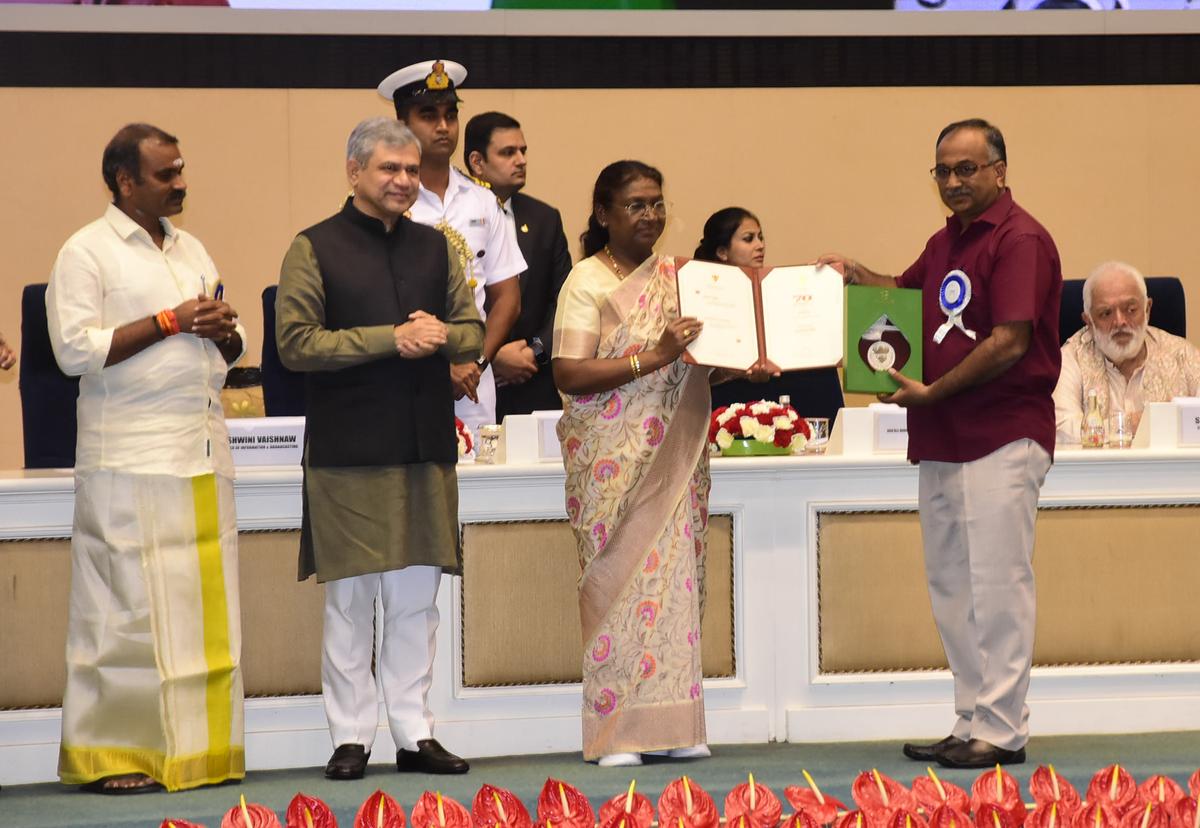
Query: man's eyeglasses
[961,171]
[640,209]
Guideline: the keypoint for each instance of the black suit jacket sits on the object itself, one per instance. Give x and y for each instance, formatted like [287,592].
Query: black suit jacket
[544,245]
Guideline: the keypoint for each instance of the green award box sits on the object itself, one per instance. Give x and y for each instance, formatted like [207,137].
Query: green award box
[883,330]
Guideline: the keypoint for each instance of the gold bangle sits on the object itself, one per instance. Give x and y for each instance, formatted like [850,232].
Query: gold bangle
[635,365]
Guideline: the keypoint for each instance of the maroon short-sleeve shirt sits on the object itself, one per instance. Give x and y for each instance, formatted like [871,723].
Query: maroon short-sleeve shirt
[1016,276]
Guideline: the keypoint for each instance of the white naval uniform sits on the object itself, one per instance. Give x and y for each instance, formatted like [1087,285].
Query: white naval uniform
[473,211]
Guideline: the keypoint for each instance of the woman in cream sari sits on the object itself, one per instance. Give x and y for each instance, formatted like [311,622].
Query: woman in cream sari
[633,432]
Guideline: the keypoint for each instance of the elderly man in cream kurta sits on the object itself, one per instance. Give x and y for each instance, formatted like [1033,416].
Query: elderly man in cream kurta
[1119,354]
[375,308]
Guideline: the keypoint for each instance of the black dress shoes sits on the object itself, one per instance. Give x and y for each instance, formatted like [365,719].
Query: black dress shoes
[347,762]
[979,754]
[927,753]
[430,757]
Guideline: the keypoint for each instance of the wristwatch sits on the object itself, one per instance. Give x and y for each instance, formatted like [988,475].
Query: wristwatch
[482,363]
[539,350]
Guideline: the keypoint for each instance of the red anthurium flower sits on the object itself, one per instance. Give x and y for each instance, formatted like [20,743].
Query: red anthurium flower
[905,818]
[498,807]
[993,815]
[636,809]
[306,811]
[1161,790]
[930,793]
[436,811]
[754,801]
[1149,815]
[249,816]
[997,787]
[1095,815]
[1053,814]
[562,805]
[1115,789]
[1185,812]
[684,804]
[878,794]
[823,808]
[379,811]
[948,816]
[1046,786]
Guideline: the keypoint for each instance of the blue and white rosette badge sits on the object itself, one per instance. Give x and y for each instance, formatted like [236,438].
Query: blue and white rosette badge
[954,295]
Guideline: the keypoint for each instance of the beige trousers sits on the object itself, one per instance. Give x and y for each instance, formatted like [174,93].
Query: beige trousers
[977,522]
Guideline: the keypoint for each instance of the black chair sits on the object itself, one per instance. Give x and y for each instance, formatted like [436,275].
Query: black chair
[283,390]
[1168,312]
[47,394]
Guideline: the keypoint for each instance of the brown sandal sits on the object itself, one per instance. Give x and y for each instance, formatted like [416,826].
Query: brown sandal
[109,785]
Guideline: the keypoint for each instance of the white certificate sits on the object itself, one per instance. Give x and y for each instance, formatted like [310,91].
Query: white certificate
[802,316]
[788,317]
[722,297]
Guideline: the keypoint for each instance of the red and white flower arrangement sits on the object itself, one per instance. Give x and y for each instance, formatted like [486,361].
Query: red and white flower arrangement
[465,444]
[763,420]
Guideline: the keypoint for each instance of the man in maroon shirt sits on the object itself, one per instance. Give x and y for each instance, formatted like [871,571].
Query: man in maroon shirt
[981,426]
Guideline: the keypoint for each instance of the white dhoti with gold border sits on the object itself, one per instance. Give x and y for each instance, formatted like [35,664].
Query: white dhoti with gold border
[154,634]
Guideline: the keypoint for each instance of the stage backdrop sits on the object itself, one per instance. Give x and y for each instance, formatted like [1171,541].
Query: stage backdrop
[1108,169]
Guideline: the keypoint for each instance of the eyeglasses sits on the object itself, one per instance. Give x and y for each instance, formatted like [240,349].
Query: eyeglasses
[640,209]
[961,171]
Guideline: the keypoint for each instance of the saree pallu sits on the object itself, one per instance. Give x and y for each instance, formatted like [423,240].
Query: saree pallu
[637,499]
[154,633]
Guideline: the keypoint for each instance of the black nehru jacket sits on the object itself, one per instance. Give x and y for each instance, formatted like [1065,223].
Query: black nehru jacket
[544,245]
[390,411]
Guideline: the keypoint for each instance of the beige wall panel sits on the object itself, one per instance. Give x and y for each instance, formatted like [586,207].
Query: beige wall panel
[521,606]
[281,619]
[826,169]
[35,577]
[1096,601]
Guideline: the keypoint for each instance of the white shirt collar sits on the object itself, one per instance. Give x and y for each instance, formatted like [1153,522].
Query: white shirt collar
[127,227]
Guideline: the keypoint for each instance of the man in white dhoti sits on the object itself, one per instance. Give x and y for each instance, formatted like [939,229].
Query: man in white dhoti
[154,688]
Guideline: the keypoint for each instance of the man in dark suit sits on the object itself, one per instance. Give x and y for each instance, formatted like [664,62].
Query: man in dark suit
[495,152]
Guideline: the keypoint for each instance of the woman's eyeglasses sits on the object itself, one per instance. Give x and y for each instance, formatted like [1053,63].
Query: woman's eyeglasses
[640,209]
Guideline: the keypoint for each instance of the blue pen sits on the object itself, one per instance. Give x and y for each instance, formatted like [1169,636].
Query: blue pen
[220,290]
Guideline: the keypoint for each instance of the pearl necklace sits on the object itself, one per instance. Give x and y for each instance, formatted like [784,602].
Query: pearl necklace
[613,259]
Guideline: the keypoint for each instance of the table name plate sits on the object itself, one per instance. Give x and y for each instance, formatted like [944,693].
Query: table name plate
[891,430]
[1189,420]
[266,441]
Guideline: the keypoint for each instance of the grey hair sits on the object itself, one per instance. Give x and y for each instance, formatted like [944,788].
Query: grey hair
[374,131]
[1107,267]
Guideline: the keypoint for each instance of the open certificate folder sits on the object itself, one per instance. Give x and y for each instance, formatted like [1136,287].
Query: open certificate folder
[789,318]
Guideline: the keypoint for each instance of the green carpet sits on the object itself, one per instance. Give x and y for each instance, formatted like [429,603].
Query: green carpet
[833,765]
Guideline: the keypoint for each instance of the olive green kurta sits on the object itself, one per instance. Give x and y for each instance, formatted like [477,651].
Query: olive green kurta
[370,519]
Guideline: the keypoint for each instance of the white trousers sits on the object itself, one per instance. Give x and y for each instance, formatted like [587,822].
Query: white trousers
[404,661]
[977,523]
